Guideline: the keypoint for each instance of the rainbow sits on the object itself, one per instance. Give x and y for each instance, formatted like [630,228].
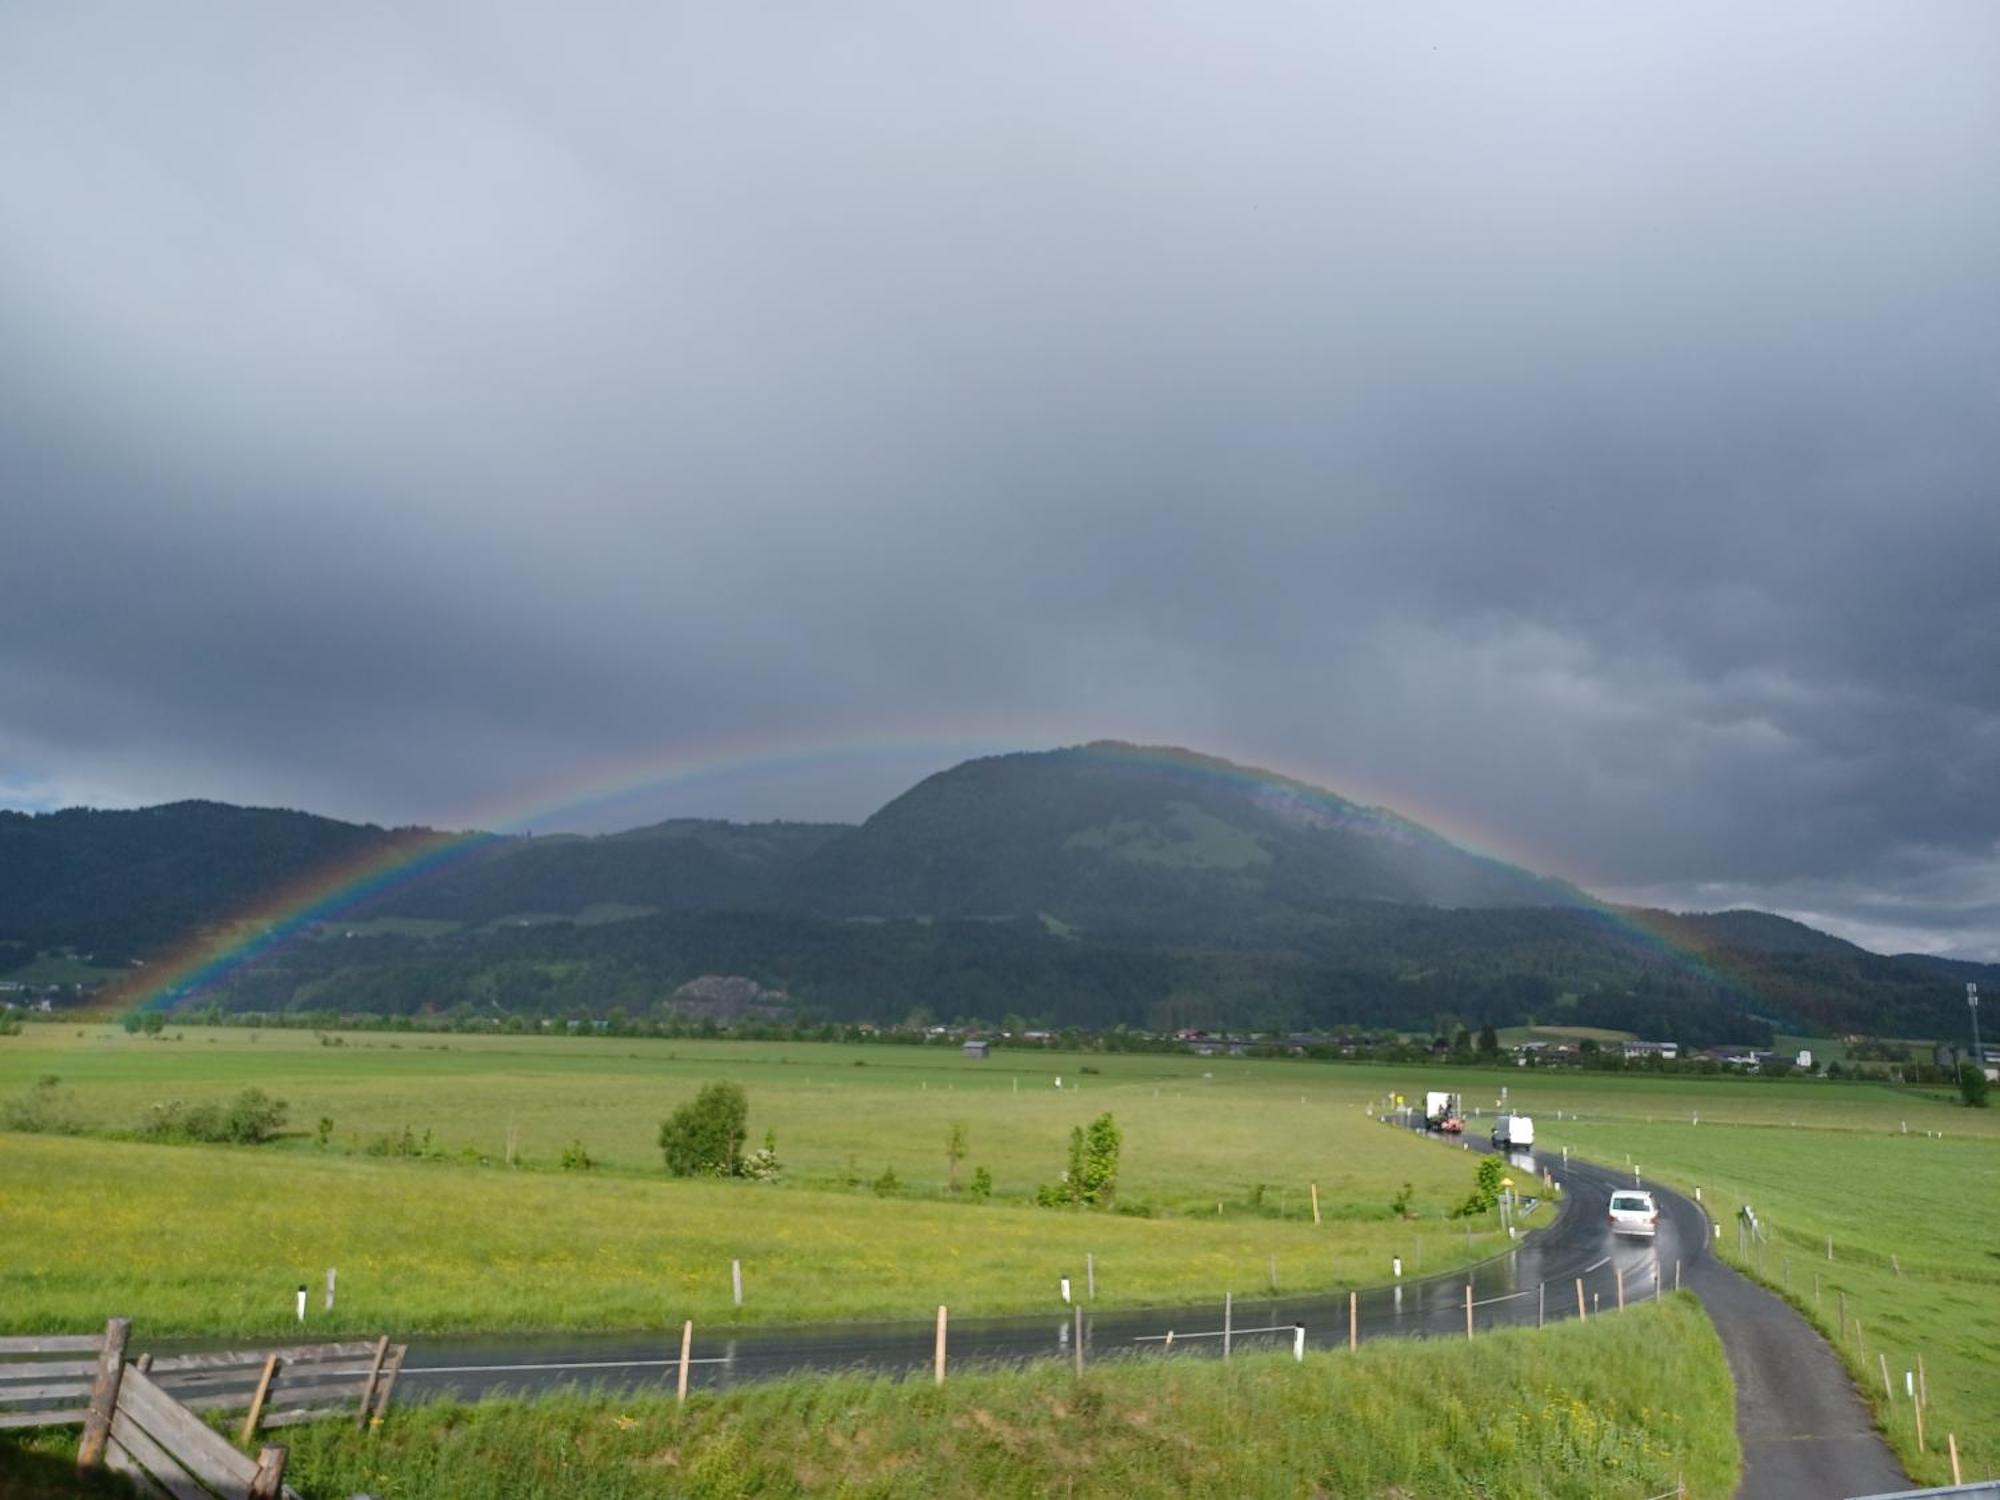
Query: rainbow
[212,956]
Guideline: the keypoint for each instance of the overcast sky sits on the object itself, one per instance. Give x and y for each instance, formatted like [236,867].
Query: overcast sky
[1573,425]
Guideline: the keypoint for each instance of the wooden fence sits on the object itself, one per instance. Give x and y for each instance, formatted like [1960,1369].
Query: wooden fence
[140,1418]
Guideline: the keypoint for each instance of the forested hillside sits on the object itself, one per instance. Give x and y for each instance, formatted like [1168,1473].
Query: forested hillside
[1099,886]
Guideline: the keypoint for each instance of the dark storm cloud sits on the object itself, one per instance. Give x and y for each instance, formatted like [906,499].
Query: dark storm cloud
[1576,423]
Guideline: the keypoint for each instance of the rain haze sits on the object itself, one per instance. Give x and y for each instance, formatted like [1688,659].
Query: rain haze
[1574,426]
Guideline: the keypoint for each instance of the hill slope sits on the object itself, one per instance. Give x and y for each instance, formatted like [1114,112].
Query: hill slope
[1119,839]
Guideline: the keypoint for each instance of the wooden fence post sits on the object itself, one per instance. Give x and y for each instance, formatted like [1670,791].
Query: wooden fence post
[1077,1340]
[1619,1273]
[263,1392]
[391,1371]
[1468,1309]
[374,1374]
[103,1395]
[1353,1320]
[1918,1408]
[1315,1193]
[1581,1316]
[1888,1391]
[329,1287]
[1951,1442]
[1228,1308]
[940,1345]
[269,1481]
[736,1280]
[687,1339]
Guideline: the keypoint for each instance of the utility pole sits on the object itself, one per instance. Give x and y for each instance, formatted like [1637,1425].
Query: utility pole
[1972,1004]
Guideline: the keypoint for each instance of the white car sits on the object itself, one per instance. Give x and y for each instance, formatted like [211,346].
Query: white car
[1633,1212]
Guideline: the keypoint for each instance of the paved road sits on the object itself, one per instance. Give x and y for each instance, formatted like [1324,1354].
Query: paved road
[1804,1430]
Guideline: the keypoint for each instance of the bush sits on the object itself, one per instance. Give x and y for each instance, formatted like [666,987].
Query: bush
[1973,1085]
[10,1024]
[1092,1178]
[1400,1204]
[888,1184]
[250,1119]
[46,1109]
[575,1158]
[704,1138]
[982,1185]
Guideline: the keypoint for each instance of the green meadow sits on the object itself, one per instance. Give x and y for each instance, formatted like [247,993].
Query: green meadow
[1617,1409]
[1220,1158]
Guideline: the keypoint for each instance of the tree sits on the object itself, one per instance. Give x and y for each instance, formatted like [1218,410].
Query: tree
[704,1138]
[1489,1041]
[956,1139]
[1092,1178]
[1973,1084]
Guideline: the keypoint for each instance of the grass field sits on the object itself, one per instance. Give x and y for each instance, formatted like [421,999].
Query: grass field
[1613,1410]
[451,1243]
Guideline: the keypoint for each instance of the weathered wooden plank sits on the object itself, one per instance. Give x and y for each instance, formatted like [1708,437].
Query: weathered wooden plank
[374,1374]
[103,1395]
[153,1456]
[303,1414]
[257,1408]
[53,1343]
[248,1375]
[270,1481]
[68,1417]
[43,1369]
[118,1461]
[240,1400]
[49,1392]
[196,1444]
[296,1354]
[389,1373]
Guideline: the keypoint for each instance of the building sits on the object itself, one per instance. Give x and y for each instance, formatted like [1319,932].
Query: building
[1665,1051]
[977,1048]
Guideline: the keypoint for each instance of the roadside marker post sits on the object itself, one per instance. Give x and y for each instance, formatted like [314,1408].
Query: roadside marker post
[329,1288]
[1299,1343]
[687,1345]
[302,1302]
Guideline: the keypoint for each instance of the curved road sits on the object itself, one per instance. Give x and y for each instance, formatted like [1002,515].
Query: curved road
[1804,1431]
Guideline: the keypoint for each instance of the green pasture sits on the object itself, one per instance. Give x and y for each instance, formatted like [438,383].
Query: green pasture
[1914,1220]
[1219,1158]
[1617,1409]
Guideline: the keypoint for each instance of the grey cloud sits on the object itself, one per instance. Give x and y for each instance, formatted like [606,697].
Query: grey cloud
[1579,424]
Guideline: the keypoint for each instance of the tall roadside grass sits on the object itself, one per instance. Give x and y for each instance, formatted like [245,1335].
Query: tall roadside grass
[1619,1407]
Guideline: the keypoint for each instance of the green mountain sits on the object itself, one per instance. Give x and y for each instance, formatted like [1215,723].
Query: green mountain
[1118,840]
[1099,885]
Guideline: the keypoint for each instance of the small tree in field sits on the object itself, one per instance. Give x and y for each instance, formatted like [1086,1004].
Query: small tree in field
[704,1138]
[1973,1084]
[955,1146]
[1092,1178]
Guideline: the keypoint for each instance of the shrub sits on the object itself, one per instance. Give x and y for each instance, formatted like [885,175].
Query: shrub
[1092,1178]
[888,1184]
[1973,1085]
[704,1138]
[45,1109]
[575,1158]
[250,1119]
[982,1185]
[1400,1204]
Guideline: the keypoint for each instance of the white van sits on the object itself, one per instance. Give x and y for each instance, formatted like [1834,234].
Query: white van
[1513,1132]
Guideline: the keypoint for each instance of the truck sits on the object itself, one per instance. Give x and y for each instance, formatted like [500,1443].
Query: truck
[1443,1112]
[1513,1132]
